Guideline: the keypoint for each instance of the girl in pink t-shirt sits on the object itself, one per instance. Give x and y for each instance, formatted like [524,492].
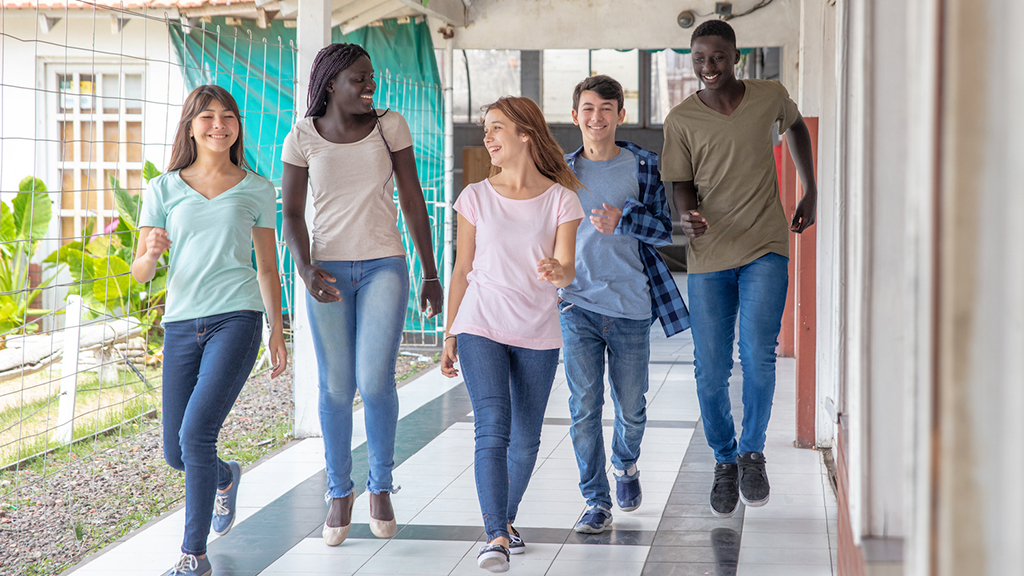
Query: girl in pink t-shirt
[517,244]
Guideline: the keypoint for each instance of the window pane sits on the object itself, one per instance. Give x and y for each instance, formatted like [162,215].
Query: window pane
[672,81]
[133,93]
[111,93]
[492,74]
[561,71]
[624,67]
[87,88]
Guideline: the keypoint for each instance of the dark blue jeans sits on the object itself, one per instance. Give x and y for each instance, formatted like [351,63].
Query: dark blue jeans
[588,337]
[206,363]
[509,387]
[756,293]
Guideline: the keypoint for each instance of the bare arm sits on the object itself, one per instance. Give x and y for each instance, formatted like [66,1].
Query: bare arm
[561,269]
[265,243]
[799,139]
[410,198]
[293,227]
[457,290]
[153,242]
[684,197]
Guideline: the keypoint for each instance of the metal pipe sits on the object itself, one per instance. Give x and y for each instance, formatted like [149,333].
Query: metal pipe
[449,167]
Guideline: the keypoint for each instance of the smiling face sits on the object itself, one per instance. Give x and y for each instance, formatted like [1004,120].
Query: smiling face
[502,139]
[597,117]
[352,89]
[714,61]
[215,128]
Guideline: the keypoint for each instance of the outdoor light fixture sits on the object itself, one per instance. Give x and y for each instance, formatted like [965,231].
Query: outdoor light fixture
[685,19]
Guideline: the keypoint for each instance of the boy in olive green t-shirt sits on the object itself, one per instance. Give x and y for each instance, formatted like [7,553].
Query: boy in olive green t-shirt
[718,156]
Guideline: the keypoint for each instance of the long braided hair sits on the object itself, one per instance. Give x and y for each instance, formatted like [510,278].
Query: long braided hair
[547,155]
[329,62]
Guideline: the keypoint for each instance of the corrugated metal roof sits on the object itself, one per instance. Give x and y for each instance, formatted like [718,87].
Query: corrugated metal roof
[116,4]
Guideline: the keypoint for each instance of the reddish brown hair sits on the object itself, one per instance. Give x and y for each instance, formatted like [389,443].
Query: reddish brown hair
[547,155]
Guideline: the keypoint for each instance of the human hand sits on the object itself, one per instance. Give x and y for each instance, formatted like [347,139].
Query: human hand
[606,220]
[550,270]
[449,356]
[803,216]
[693,224]
[431,298]
[157,243]
[319,283]
[278,353]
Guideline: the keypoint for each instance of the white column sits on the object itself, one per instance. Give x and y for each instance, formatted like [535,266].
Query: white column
[449,169]
[64,432]
[314,32]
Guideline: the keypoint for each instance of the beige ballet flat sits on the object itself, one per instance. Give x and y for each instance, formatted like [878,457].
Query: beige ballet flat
[334,535]
[382,515]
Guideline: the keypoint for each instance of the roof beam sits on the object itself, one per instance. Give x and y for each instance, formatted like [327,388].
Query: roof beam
[449,11]
[367,12]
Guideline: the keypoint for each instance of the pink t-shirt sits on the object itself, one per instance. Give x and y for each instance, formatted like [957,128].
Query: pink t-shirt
[504,301]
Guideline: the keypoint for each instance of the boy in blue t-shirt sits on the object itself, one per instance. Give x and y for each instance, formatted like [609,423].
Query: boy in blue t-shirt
[621,285]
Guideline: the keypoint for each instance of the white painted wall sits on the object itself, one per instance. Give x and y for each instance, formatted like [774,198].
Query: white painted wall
[540,24]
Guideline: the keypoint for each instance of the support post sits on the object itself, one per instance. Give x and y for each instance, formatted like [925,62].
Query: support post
[64,432]
[449,169]
[805,257]
[314,32]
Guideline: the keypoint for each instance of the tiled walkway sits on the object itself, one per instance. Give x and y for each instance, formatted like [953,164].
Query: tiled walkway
[672,534]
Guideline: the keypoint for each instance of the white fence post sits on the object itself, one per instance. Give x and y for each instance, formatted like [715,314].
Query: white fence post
[69,371]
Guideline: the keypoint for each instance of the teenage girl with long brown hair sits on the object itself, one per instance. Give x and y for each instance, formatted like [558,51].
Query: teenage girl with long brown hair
[516,247]
[210,212]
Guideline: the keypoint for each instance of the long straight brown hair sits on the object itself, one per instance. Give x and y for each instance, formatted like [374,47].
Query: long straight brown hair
[183,151]
[547,155]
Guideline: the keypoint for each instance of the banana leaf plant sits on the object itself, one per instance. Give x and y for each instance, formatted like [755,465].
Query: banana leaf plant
[22,225]
[101,264]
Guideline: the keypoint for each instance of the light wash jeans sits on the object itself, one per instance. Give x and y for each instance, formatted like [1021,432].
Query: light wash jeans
[509,387]
[356,342]
[757,293]
[206,363]
[588,336]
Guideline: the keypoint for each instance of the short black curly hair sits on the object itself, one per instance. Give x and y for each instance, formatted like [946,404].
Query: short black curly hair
[718,28]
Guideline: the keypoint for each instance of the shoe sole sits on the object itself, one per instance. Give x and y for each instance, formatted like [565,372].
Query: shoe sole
[517,550]
[718,514]
[754,503]
[585,529]
[493,562]
[629,507]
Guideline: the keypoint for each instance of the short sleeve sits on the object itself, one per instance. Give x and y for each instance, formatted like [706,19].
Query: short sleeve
[291,152]
[788,111]
[397,131]
[267,217]
[468,204]
[675,162]
[569,207]
[154,214]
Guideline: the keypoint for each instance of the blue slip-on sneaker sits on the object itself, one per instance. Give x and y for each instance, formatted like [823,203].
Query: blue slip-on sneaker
[627,488]
[516,545]
[493,558]
[191,565]
[595,520]
[224,504]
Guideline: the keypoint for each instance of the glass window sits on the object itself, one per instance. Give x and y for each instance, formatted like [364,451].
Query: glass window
[624,67]
[561,71]
[480,77]
[672,81]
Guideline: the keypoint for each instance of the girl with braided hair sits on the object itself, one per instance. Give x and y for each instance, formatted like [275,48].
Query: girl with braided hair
[347,153]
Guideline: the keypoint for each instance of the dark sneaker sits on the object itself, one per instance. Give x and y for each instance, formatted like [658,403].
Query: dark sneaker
[725,493]
[224,504]
[515,541]
[595,520]
[754,487]
[493,558]
[627,489]
[191,565]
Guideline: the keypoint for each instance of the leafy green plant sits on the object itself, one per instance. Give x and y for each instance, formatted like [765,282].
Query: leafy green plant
[101,265]
[22,225]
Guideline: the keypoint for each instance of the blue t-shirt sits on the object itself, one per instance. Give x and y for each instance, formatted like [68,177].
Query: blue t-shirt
[610,277]
[211,269]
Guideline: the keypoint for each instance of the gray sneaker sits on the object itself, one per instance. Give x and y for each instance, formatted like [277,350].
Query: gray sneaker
[754,488]
[191,565]
[595,520]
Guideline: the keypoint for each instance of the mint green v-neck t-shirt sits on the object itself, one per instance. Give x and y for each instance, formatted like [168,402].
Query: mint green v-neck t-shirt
[211,270]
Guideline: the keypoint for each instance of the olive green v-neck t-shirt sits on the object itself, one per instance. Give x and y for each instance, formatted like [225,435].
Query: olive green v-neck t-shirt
[211,269]
[732,164]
